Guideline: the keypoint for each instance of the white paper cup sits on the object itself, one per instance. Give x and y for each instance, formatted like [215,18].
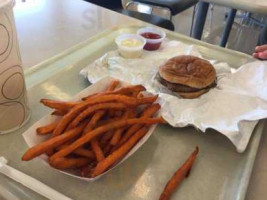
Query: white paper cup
[14,110]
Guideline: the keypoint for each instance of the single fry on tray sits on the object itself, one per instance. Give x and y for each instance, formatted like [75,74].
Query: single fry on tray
[178,176]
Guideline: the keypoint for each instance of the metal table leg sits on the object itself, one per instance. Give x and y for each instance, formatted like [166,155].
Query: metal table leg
[228,27]
[200,19]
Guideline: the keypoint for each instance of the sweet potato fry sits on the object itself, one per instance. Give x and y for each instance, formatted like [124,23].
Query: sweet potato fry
[118,113]
[44,130]
[117,136]
[107,149]
[107,136]
[100,114]
[80,152]
[93,109]
[51,143]
[111,113]
[130,113]
[148,112]
[129,90]
[97,150]
[129,133]
[115,156]
[69,163]
[99,99]
[59,105]
[101,130]
[107,121]
[140,95]
[87,169]
[96,117]
[84,152]
[122,99]
[146,100]
[113,85]
[110,88]
[59,112]
[178,176]
[94,143]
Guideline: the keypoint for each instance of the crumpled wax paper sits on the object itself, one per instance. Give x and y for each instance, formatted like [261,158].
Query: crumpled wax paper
[233,108]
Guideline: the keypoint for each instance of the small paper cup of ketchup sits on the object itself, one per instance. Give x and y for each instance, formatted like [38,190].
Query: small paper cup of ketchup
[153,36]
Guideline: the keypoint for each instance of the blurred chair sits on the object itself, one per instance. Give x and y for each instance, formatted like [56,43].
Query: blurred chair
[152,19]
[109,4]
[116,5]
[174,7]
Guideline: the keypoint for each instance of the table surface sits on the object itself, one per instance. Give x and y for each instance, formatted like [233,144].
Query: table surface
[47,27]
[254,6]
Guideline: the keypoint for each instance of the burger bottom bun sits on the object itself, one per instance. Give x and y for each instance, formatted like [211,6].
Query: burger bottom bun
[192,95]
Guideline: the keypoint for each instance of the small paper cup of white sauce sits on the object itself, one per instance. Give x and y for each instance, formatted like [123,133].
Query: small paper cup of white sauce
[130,45]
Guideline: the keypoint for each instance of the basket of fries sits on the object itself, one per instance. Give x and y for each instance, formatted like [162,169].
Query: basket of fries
[96,131]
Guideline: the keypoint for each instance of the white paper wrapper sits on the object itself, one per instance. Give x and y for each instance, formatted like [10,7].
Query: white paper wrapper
[32,138]
[233,108]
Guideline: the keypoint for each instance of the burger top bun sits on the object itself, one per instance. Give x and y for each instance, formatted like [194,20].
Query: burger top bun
[188,70]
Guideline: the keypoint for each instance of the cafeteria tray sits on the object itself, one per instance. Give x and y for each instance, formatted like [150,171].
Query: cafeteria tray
[219,172]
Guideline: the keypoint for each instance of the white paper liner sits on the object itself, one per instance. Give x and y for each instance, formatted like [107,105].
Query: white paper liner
[233,108]
[32,138]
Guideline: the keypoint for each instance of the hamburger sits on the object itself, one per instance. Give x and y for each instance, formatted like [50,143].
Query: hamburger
[189,76]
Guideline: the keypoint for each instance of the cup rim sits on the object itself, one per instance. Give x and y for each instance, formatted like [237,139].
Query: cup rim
[6,3]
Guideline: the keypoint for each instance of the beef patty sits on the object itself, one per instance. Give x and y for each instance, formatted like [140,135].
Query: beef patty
[181,88]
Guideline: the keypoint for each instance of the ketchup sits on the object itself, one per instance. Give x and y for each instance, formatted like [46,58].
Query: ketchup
[152,36]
